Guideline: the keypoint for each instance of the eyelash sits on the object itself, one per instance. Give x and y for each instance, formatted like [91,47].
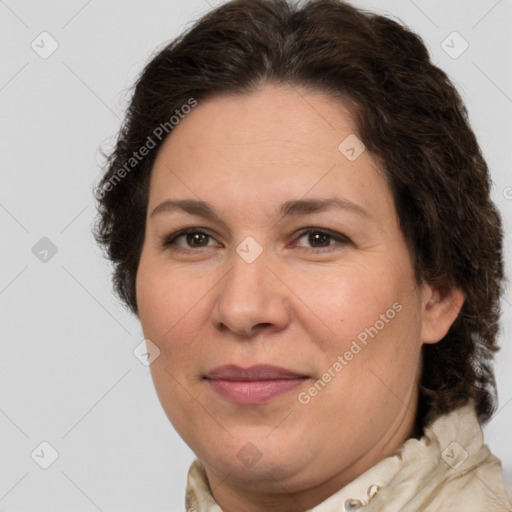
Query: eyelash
[336,237]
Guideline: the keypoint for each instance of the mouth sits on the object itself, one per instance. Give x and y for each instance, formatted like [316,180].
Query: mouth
[258,384]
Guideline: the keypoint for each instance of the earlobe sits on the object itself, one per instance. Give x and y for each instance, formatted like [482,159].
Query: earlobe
[441,306]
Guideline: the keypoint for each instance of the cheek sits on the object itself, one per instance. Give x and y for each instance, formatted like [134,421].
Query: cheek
[172,305]
[348,300]
[171,311]
[369,315]
[370,356]
[384,322]
[174,309]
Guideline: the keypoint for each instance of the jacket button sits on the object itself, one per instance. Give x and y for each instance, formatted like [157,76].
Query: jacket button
[352,504]
[373,490]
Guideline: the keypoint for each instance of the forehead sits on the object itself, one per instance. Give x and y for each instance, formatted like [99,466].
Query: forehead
[259,147]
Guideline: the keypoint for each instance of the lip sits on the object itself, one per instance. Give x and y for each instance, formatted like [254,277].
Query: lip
[254,385]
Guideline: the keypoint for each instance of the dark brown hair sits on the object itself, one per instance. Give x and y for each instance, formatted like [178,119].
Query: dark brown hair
[409,116]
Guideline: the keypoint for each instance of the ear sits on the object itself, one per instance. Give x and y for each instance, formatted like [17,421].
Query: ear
[440,307]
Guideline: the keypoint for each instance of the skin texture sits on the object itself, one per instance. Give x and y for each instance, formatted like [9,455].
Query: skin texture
[299,305]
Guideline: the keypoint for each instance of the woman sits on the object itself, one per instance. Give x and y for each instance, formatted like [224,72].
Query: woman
[298,212]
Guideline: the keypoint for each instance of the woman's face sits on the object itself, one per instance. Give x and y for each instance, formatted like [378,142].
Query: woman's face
[294,260]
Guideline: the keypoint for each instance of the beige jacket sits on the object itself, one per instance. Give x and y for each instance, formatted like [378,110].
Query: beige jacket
[448,469]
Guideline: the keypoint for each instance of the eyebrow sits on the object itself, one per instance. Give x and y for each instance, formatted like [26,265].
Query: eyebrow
[289,208]
[307,206]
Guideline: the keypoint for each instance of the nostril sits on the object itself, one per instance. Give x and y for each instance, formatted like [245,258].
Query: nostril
[263,324]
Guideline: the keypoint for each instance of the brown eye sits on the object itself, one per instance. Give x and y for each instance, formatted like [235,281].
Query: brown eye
[197,239]
[317,239]
[189,239]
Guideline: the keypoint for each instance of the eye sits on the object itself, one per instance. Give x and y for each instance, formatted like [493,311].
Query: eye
[188,239]
[312,239]
[320,240]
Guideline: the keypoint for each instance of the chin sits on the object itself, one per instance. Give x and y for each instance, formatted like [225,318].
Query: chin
[258,458]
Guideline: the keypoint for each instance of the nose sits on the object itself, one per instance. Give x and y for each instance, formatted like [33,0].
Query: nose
[251,299]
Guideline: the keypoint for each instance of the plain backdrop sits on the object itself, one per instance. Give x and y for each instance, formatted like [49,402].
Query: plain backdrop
[68,376]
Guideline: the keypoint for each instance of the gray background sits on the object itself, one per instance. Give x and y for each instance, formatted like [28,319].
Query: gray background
[67,372]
